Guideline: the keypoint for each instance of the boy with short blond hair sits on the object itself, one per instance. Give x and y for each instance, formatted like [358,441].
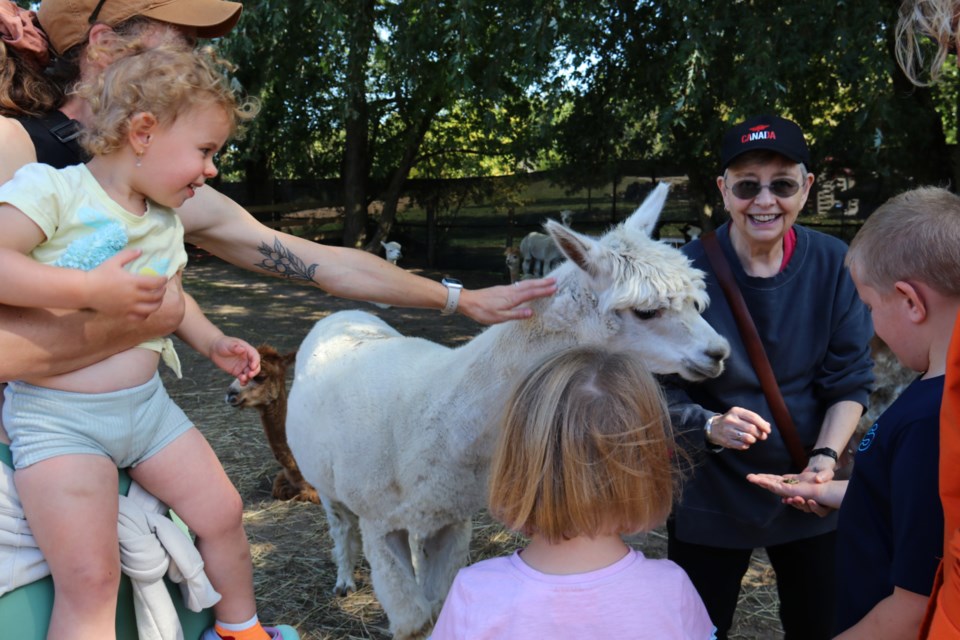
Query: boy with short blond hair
[906,269]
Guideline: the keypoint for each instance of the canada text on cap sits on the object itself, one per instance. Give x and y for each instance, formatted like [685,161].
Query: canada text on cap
[767,132]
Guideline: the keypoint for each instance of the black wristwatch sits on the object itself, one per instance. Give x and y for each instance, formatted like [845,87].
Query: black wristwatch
[825,451]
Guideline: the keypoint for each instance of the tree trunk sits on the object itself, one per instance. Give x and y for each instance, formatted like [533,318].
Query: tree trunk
[613,201]
[258,183]
[356,154]
[432,234]
[391,197]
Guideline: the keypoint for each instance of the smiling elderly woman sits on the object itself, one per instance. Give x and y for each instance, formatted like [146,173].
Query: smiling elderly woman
[815,331]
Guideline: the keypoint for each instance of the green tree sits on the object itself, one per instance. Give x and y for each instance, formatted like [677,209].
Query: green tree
[377,91]
[366,81]
[671,76]
[284,52]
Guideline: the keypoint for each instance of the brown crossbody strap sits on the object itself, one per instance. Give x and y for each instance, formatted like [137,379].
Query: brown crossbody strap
[758,355]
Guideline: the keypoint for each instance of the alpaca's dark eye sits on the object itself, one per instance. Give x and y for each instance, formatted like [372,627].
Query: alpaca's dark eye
[647,314]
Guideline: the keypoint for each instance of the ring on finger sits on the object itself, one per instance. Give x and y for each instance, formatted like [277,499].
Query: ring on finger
[739,435]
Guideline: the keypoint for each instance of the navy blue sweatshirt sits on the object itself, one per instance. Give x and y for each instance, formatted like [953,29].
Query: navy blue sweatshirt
[816,331]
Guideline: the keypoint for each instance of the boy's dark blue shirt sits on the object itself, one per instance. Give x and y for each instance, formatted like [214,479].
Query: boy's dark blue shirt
[890,532]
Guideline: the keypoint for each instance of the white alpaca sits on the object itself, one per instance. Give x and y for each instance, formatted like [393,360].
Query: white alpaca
[392,254]
[513,260]
[540,253]
[396,433]
[690,232]
[392,251]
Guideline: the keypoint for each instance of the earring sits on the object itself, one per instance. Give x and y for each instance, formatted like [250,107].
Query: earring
[139,156]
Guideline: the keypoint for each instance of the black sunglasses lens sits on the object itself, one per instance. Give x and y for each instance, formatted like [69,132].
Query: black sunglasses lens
[784,188]
[746,189]
[749,189]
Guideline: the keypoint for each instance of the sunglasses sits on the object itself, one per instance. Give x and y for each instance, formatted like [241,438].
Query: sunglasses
[750,189]
[96,12]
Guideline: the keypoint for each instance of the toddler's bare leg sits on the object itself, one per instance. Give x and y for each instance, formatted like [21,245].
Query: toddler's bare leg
[71,505]
[188,476]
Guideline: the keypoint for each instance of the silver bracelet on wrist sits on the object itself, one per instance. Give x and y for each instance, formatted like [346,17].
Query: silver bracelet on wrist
[708,431]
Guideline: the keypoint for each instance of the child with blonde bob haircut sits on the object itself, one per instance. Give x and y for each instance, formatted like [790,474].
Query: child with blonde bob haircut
[584,456]
[104,235]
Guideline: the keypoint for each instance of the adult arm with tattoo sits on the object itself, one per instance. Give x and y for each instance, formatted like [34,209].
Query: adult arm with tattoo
[219,225]
[43,342]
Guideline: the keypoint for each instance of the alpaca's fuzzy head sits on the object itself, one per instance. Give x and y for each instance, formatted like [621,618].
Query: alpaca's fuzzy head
[648,296]
[392,251]
[513,258]
[566,218]
[266,387]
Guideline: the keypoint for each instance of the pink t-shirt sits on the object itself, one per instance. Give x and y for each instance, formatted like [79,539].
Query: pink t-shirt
[633,598]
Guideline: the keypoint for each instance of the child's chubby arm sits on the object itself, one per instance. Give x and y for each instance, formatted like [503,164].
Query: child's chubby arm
[803,491]
[109,288]
[233,355]
[896,617]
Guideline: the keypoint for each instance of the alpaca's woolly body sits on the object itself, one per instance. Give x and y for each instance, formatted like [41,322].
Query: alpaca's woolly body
[396,433]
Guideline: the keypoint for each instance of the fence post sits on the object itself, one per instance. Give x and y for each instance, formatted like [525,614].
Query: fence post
[431,211]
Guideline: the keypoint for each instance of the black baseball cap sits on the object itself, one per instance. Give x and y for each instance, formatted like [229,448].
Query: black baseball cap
[771,133]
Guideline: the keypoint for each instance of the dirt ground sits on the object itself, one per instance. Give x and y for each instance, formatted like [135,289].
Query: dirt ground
[294,574]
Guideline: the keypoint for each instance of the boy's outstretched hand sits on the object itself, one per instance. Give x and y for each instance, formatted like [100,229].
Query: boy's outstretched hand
[800,491]
[236,357]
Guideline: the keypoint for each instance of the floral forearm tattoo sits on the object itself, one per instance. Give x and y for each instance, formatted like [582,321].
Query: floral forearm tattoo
[279,260]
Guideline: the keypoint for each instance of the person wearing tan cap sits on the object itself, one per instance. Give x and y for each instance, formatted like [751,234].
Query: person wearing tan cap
[85,36]
[67,23]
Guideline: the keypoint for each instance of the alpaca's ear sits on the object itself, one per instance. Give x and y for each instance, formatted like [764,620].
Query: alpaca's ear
[577,247]
[644,219]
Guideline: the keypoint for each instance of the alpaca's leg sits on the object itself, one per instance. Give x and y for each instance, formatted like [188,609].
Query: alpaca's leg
[274,426]
[394,581]
[527,265]
[445,552]
[282,488]
[288,487]
[306,492]
[342,524]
